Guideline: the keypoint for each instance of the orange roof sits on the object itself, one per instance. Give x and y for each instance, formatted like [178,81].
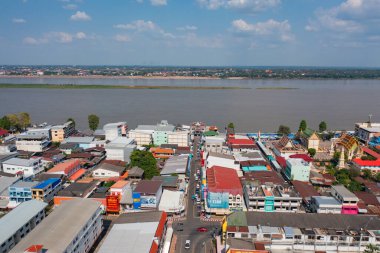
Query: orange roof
[125,175]
[66,166]
[119,184]
[162,150]
[78,174]
[34,248]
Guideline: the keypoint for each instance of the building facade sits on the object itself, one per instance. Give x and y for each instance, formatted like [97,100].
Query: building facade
[114,130]
[29,167]
[21,192]
[60,132]
[180,138]
[348,200]
[46,190]
[32,143]
[297,169]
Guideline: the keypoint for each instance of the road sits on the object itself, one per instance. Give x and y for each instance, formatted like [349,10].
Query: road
[200,241]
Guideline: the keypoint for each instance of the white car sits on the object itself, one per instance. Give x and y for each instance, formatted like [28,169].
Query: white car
[187,244]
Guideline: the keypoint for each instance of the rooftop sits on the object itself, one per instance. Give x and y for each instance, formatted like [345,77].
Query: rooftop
[77,139]
[167,181]
[326,200]
[17,218]
[23,184]
[47,182]
[175,165]
[119,184]
[221,179]
[138,217]
[65,166]
[22,162]
[343,191]
[135,172]
[58,229]
[77,189]
[148,187]
[77,174]
[110,167]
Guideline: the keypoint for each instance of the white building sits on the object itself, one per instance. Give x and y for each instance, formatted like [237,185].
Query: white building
[114,130]
[32,143]
[141,137]
[19,222]
[366,131]
[223,160]
[120,149]
[72,227]
[325,204]
[172,202]
[214,144]
[105,170]
[44,130]
[29,167]
[180,138]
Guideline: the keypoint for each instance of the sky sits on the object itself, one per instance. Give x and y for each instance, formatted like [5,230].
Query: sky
[191,32]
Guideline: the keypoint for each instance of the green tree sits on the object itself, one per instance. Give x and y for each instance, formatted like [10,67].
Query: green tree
[303,125]
[312,152]
[377,177]
[231,125]
[24,119]
[15,123]
[93,122]
[72,120]
[5,123]
[371,248]
[283,130]
[146,161]
[322,126]
[366,174]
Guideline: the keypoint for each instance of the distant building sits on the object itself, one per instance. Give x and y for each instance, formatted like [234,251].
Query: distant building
[325,204]
[297,169]
[28,167]
[348,200]
[366,131]
[215,144]
[309,139]
[120,148]
[141,232]
[77,224]
[286,147]
[19,222]
[180,138]
[145,134]
[60,132]
[32,143]
[114,130]
[349,143]
[66,168]
[46,190]
[106,170]
[21,192]
[83,142]
[38,131]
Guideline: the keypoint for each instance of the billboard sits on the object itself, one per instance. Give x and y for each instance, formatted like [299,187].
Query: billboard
[136,200]
[148,201]
[113,204]
[217,199]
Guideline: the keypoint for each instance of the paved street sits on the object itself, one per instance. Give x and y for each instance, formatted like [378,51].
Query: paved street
[200,241]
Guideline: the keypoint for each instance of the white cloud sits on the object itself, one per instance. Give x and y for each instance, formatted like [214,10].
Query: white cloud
[158,2]
[122,38]
[55,37]
[18,20]
[193,40]
[70,6]
[139,25]
[271,27]
[248,5]
[80,16]
[187,28]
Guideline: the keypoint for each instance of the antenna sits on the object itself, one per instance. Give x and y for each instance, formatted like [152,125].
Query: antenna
[369,121]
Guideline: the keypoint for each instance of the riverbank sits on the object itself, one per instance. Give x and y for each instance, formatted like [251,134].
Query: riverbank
[277,88]
[132,87]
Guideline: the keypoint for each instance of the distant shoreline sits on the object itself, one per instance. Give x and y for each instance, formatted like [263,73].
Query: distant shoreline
[131,87]
[123,77]
[277,88]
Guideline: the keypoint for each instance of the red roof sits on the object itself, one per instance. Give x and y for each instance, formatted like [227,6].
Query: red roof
[66,167]
[281,161]
[305,189]
[371,152]
[222,179]
[366,163]
[34,248]
[77,175]
[233,141]
[305,157]
[3,132]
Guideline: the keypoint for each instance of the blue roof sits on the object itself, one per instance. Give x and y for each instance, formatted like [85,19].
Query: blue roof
[47,182]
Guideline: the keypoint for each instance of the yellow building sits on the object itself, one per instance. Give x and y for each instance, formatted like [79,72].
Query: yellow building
[60,132]
[309,139]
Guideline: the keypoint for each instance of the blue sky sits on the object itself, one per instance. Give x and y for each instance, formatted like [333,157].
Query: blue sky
[191,32]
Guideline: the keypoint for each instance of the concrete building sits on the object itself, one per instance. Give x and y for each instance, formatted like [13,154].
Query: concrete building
[304,232]
[286,147]
[43,130]
[114,130]
[136,233]
[28,167]
[149,194]
[67,168]
[172,202]
[180,138]
[224,191]
[215,144]
[161,153]
[270,197]
[297,169]
[83,142]
[348,200]
[19,222]
[20,192]
[32,143]
[60,132]
[366,131]
[141,137]
[325,204]
[106,170]
[156,133]
[46,190]
[119,187]
[72,227]
[309,139]
[176,165]
[224,160]
[120,148]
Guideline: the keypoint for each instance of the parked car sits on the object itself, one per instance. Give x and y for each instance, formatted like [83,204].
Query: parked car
[187,244]
[202,229]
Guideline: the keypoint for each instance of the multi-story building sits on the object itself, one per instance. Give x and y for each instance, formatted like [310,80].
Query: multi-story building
[224,160]
[297,169]
[32,143]
[270,197]
[16,224]
[303,232]
[46,190]
[66,168]
[141,137]
[162,153]
[161,132]
[180,138]
[366,131]
[83,142]
[73,226]
[146,134]
[348,200]
[114,130]
[60,132]
[43,130]
[28,167]
[224,191]
[325,204]
[120,149]
[20,192]
[215,144]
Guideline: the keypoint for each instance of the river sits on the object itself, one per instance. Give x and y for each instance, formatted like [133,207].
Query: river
[340,103]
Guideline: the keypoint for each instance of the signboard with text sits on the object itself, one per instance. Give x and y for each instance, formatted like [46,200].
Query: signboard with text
[113,204]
